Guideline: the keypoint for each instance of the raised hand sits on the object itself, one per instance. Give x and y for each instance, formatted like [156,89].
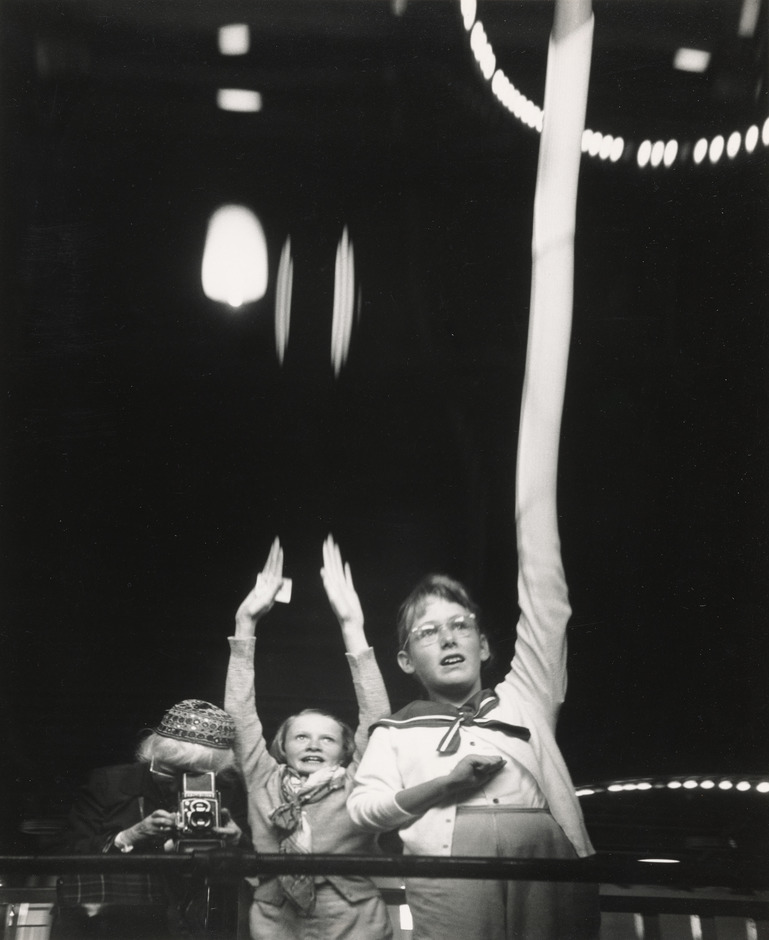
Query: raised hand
[262,596]
[341,593]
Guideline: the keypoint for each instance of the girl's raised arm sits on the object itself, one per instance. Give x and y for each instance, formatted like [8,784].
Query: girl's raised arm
[240,695]
[370,690]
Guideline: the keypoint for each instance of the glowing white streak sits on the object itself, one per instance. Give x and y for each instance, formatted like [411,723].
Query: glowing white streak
[283,291]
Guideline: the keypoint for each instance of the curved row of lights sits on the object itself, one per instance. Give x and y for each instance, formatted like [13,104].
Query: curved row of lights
[608,147]
[741,784]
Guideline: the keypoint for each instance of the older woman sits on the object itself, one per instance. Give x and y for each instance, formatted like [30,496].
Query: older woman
[134,808]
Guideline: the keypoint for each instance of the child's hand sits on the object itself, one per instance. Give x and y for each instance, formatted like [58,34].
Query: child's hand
[341,593]
[262,596]
[472,772]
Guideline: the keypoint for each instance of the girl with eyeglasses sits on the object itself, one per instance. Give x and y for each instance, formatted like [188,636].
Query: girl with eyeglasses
[472,771]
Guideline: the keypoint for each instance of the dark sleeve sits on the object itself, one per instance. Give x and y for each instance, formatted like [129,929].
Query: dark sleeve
[103,807]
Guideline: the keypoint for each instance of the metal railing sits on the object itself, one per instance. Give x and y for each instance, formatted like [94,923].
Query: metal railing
[744,876]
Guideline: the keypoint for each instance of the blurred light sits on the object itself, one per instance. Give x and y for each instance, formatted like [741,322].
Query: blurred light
[748,18]
[468,8]
[725,785]
[615,788]
[644,786]
[743,785]
[762,787]
[283,290]
[630,786]
[733,144]
[671,152]
[707,784]
[691,60]
[234,39]
[751,138]
[234,269]
[483,52]
[690,784]
[674,784]
[661,861]
[238,99]
[344,293]
[585,792]
[594,143]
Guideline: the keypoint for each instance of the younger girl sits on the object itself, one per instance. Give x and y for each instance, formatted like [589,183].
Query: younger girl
[297,790]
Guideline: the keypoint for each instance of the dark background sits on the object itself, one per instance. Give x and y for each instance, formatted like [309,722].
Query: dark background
[152,446]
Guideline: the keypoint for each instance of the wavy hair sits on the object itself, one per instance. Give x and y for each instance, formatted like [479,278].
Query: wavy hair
[184,756]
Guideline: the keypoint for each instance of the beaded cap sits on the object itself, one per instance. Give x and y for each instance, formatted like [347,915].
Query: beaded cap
[199,723]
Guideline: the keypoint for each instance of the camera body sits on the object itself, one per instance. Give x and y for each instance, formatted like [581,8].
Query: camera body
[199,813]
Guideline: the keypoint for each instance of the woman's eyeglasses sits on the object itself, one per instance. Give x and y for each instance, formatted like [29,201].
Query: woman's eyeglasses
[425,634]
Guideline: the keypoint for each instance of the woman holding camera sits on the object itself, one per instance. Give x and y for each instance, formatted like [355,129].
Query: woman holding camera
[134,808]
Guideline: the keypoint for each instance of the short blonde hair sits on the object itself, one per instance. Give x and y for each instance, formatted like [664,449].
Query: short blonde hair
[184,756]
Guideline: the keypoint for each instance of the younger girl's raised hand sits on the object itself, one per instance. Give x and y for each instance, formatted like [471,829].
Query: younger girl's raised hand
[341,593]
[262,596]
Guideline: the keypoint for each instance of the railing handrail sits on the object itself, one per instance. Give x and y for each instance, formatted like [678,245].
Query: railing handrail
[223,865]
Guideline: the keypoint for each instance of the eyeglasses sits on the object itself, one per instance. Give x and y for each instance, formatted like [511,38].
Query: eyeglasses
[425,634]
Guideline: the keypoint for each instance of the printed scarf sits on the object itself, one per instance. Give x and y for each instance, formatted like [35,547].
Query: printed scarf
[293,825]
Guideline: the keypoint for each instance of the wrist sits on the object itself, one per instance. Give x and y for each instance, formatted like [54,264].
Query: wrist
[245,627]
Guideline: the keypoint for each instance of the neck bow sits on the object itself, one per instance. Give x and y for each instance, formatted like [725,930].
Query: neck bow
[438,715]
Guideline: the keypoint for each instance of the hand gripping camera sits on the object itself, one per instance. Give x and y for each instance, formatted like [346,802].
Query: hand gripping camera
[199,814]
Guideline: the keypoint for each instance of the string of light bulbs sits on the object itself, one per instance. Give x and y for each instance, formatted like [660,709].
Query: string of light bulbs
[611,148]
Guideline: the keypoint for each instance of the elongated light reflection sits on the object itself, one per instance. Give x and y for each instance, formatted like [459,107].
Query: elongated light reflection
[283,289]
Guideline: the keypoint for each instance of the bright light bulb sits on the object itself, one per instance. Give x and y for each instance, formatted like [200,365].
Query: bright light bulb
[700,150]
[716,148]
[234,269]
[733,144]
[644,152]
